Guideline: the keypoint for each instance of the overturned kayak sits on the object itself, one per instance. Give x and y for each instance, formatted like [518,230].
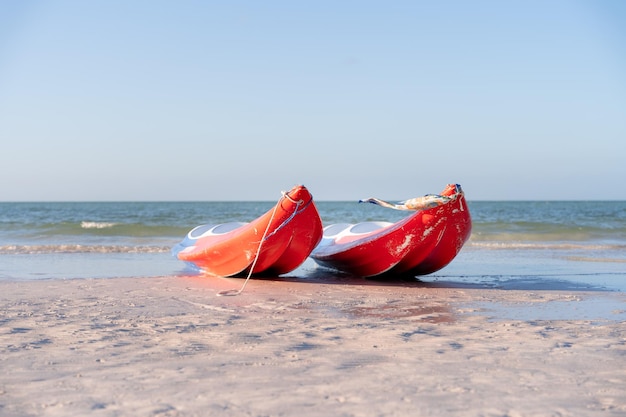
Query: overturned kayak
[275,243]
[419,244]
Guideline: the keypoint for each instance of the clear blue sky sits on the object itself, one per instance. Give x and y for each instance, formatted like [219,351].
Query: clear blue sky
[237,100]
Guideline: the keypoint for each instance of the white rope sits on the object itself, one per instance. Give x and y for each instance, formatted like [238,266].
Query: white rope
[258,251]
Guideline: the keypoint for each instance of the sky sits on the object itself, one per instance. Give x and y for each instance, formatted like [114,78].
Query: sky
[116,100]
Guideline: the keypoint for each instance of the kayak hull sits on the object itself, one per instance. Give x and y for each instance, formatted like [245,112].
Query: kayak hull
[419,244]
[273,244]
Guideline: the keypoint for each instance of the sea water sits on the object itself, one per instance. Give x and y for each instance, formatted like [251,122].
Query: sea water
[580,245]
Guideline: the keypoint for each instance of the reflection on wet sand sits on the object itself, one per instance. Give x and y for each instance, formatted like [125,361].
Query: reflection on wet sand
[437,313]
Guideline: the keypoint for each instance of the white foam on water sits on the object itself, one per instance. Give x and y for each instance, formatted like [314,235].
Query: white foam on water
[97,225]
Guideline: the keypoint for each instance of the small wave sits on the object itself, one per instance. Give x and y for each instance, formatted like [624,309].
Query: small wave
[590,259]
[97,225]
[47,249]
[546,245]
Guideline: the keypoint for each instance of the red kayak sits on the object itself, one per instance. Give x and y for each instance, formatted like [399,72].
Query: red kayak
[276,243]
[420,244]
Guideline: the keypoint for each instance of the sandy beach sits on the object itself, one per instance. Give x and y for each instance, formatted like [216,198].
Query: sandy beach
[169,346]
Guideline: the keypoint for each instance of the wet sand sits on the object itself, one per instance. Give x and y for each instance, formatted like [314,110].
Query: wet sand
[169,346]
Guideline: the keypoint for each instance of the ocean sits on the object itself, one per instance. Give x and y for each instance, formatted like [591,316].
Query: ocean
[576,245]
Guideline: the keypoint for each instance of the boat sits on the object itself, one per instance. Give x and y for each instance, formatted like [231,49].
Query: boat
[419,244]
[273,244]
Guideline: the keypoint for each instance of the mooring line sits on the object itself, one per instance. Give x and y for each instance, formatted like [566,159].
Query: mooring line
[233,292]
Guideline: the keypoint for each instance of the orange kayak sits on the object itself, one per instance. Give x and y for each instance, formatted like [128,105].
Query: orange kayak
[275,243]
[419,244]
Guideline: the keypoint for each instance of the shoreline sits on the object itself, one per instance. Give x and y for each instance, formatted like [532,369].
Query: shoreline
[169,346]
